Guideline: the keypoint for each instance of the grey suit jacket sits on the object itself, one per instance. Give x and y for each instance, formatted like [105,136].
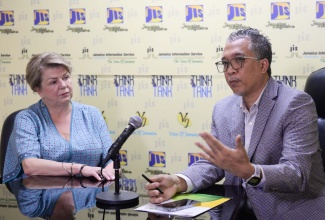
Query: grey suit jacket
[284,143]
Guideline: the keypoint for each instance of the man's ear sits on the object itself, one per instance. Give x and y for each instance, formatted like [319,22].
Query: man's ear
[264,65]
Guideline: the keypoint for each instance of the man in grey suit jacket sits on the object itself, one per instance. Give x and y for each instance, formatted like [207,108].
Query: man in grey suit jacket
[264,137]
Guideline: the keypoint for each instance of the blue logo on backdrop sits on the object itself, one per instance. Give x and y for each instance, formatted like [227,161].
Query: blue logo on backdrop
[18,84]
[124,85]
[320,10]
[193,157]
[128,184]
[78,16]
[194,13]
[280,11]
[123,157]
[288,80]
[114,15]
[157,159]
[163,86]
[7,18]
[202,86]
[88,85]
[154,14]
[236,12]
[41,17]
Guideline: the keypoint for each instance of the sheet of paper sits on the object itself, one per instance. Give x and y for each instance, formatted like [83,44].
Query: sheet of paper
[207,202]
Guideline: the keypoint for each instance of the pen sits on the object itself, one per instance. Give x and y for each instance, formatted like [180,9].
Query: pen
[160,190]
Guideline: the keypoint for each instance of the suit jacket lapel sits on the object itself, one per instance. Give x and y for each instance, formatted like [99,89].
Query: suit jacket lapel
[237,128]
[238,122]
[264,109]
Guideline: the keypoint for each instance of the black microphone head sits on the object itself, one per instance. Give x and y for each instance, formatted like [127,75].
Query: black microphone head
[136,121]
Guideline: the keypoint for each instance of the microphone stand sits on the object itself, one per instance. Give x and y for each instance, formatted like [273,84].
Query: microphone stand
[119,199]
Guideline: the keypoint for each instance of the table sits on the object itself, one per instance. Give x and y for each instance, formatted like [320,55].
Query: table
[37,196]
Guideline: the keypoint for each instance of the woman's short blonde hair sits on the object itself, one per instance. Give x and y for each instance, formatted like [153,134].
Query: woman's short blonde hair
[41,62]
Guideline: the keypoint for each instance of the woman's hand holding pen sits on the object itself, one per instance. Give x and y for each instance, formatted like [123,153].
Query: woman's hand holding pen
[170,184]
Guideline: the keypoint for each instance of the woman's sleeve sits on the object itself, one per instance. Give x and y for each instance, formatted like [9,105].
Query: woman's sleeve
[23,143]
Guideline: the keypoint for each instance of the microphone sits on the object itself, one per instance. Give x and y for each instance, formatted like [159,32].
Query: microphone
[134,123]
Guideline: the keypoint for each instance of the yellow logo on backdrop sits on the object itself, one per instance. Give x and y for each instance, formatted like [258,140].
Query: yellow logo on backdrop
[194,13]
[157,159]
[41,17]
[123,157]
[236,12]
[104,117]
[7,18]
[280,11]
[145,120]
[154,14]
[78,16]
[184,120]
[320,10]
[114,15]
[192,158]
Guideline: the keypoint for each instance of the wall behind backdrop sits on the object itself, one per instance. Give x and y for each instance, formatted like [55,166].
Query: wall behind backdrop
[155,59]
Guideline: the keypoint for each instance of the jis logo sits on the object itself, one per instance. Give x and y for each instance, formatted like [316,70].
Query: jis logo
[193,157]
[202,86]
[124,85]
[7,18]
[293,48]
[78,16]
[123,157]
[18,84]
[154,14]
[41,17]
[114,15]
[88,85]
[320,10]
[236,12]
[163,86]
[280,11]
[194,13]
[294,52]
[157,159]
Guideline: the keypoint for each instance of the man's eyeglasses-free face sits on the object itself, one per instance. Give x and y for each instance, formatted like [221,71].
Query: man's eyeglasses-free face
[236,63]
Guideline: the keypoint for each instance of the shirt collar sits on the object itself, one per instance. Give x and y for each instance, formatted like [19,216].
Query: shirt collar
[256,103]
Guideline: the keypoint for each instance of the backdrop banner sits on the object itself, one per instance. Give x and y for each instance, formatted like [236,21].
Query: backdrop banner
[155,59]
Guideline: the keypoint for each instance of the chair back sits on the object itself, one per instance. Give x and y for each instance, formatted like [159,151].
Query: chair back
[7,127]
[315,87]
